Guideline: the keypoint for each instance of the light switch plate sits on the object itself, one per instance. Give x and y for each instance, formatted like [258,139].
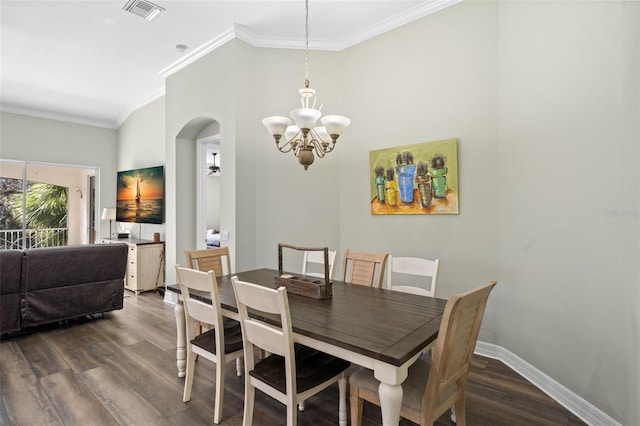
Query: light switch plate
[224,235]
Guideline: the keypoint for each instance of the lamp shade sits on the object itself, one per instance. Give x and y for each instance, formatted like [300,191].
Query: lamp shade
[305,118]
[322,134]
[108,214]
[276,125]
[291,132]
[335,124]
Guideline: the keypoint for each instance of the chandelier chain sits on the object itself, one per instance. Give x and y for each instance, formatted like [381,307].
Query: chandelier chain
[306,46]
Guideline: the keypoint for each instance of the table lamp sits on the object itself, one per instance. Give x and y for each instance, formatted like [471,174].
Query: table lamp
[109,213]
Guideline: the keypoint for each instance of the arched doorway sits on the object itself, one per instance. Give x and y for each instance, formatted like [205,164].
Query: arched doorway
[192,143]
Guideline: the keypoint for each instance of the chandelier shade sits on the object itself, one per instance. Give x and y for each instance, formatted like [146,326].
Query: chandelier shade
[304,138]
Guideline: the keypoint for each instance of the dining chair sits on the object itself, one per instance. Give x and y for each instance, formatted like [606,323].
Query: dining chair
[317,257]
[433,386]
[360,268]
[221,344]
[291,373]
[405,270]
[210,260]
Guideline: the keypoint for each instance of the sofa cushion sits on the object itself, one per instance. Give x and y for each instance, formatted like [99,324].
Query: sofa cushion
[67,282]
[70,265]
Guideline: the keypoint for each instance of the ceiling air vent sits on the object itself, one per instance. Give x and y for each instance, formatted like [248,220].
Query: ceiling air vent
[143,8]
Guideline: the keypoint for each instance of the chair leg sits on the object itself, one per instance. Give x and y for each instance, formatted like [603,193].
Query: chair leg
[459,413]
[292,414]
[342,412]
[357,404]
[188,380]
[219,398]
[249,397]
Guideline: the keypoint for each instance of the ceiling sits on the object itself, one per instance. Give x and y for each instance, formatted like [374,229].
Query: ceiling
[91,62]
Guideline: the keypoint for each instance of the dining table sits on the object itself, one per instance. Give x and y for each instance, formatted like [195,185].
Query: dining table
[379,329]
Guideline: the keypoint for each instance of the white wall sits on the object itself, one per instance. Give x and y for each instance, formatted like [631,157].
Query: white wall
[293,205]
[569,164]
[141,143]
[202,91]
[434,79]
[213,202]
[40,140]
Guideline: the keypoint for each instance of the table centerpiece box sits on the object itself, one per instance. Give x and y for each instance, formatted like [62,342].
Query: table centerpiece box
[303,285]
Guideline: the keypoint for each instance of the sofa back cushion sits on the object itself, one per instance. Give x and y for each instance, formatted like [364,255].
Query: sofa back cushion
[69,265]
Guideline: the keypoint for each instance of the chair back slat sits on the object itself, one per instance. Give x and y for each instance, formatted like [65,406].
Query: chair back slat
[317,257]
[361,268]
[405,270]
[210,260]
[195,310]
[268,338]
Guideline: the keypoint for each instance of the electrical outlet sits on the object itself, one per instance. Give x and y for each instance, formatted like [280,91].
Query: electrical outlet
[224,235]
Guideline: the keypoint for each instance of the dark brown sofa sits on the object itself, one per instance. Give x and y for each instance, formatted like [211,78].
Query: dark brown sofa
[45,285]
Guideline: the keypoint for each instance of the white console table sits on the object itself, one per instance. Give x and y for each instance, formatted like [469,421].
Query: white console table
[145,260]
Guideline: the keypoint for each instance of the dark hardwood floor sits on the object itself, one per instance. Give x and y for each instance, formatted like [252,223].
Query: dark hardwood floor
[121,369]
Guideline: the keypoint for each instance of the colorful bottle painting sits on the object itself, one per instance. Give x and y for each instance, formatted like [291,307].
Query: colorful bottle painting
[390,186]
[424,189]
[439,182]
[379,181]
[405,182]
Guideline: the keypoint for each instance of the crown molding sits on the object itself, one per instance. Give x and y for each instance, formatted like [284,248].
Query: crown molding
[243,33]
[198,53]
[143,102]
[394,22]
[68,118]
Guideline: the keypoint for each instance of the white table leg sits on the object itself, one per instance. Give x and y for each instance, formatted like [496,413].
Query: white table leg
[390,403]
[342,410]
[181,352]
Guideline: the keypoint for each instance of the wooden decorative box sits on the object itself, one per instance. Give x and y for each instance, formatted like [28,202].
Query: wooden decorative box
[303,285]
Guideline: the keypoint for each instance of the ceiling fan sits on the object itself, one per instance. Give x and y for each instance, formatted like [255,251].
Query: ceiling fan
[213,169]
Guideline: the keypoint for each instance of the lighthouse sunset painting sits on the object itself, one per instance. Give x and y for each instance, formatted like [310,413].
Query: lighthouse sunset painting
[140,195]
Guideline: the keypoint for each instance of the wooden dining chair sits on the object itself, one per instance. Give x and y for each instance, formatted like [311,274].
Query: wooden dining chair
[291,373]
[317,257]
[210,260]
[413,275]
[360,268]
[221,344]
[434,386]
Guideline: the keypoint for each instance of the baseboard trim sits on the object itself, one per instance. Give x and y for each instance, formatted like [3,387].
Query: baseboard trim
[584,410]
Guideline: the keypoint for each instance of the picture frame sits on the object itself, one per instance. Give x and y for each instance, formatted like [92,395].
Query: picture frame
[415,179]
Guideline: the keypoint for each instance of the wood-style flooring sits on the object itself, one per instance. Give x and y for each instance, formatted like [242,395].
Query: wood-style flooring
[121,369]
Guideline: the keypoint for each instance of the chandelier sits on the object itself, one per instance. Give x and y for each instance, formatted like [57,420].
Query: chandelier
[304,138]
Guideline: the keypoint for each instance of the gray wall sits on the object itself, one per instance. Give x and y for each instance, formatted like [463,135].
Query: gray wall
[41,140]
[569,86]
[141,143]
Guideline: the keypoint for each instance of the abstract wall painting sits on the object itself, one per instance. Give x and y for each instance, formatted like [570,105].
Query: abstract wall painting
[415,179]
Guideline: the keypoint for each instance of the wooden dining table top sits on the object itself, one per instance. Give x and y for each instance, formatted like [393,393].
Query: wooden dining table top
[382,324]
